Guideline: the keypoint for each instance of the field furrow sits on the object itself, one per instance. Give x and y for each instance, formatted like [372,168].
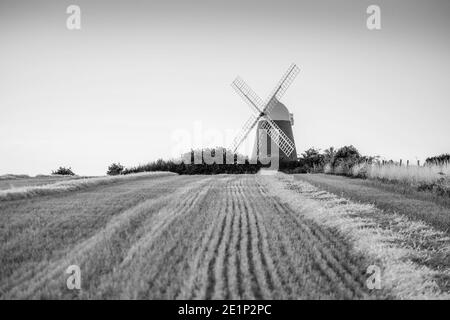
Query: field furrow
[235,290]
[193,280]
[262,277]
[273,274]
[291,262]
[217,272]
[248,278]
[203,277]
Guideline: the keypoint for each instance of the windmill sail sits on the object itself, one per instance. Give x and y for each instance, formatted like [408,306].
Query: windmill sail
[246,93]
[281,87]
[278,136]
[242,135]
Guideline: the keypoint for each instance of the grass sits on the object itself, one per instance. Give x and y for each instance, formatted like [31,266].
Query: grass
[391,198]
[414,175]
[435,178]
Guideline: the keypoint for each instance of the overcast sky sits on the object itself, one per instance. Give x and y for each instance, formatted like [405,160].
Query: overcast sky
[141,74]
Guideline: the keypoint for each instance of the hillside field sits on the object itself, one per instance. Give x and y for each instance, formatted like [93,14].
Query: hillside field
[165,236]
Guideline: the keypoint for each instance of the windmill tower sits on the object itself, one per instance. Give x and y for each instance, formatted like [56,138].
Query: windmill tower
[271,117]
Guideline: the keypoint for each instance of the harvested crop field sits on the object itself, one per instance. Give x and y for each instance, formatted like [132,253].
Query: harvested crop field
[10,181]
[200,237]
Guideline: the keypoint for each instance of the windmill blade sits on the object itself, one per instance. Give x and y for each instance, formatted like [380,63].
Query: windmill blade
[248,126]
[281,87]
[246,93]
[285,82]
[278,136]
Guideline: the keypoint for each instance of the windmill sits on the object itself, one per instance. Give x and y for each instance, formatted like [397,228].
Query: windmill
[271,117]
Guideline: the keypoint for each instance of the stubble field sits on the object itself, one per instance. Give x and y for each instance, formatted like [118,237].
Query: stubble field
[193,237]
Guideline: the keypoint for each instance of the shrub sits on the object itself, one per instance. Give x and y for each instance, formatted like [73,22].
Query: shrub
[313,159]
[63,171]
[346,156]
[360,170]
[115,169]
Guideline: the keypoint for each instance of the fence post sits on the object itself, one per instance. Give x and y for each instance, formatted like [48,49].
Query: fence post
[418,163]
[400,162]
[407,163]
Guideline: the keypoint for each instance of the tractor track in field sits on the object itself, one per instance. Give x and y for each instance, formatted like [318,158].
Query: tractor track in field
[224,237]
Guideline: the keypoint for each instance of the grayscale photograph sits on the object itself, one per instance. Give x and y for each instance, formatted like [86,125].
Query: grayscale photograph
[222,156]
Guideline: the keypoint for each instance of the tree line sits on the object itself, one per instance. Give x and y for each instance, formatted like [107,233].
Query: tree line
[331,160]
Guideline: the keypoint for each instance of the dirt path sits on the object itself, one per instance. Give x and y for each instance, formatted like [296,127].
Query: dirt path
[182,237]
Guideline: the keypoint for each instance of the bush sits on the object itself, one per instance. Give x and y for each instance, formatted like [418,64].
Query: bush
[438,160]
[360,170]
[115,169]
[63,171]
[313,160]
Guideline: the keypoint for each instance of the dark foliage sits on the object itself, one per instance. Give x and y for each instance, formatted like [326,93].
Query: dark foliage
[313,159]
[63,171]
[115,169]
[196,163]
[439,160]
[299,166]
[339,161]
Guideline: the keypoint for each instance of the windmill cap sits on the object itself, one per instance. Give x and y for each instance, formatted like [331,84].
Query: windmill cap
[279,112]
